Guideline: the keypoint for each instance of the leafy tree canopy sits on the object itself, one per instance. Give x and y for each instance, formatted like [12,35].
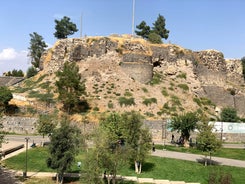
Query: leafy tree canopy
[15,73]
[145,30]
[229,114]
[155,34]
[207,140]
[64,146]
[31,71]
[36,49]
[46,123]
[184,123]
[243,66]
[5,96]
[159,27]
[64,28]
[69,86]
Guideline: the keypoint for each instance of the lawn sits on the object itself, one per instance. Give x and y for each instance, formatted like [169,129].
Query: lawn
[232,153]
[154,167]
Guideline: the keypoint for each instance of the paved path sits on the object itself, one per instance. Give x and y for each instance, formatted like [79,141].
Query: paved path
[196,158]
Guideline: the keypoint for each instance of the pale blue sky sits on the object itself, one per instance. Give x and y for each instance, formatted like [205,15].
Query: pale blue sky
[193,24]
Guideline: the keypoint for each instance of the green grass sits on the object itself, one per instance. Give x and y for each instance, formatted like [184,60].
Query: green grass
[232,153]
[154,167]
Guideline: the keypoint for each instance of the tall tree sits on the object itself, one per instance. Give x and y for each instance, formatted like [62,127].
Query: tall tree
[229,114]
[137,138]
[5,97]
[64,146]
[144,30]
[31,71]
[69,86]
[184,123]
[119,140]
[243,66]
[159,27]
[64,28]
[36,49]
[46,124]
[207,140]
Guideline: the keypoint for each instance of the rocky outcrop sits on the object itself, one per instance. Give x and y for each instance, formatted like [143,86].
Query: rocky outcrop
[208,73]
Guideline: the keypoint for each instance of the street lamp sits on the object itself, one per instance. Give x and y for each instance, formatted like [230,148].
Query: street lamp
[25,172]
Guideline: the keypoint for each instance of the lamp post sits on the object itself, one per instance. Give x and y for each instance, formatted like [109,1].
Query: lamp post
[25,172]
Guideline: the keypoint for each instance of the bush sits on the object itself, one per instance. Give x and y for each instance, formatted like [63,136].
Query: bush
[154,38]
[31,71]
[126,101]
[185,87]
[164,92]
[149,101]
[229,114]
[182,76]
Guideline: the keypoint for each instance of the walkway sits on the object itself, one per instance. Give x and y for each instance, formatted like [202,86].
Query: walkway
[196,158]
[159,153]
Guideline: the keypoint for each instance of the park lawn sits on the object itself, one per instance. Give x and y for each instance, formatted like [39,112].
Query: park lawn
[154,167]
[232,153]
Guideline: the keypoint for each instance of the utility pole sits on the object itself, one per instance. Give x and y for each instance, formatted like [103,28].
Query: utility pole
[133,17]
[25,173]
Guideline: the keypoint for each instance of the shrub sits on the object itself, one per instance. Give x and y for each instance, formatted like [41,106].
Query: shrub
[182,76]
[145,90]
[31,71]
[127,93]
[175,100]
[185,87]
[149,101]
[110,105]
[157,78]
[164,92]
[126,101]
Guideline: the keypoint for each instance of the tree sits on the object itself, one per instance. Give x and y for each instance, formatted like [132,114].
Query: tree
[64,146]
[243,66]
[155,34]
[229,114]
[118,140]
[137,138]
[69,86]
[15,73]
[184,123]
[159,27]
[36,49]
[64,28]
[154,38]
[5,97]
[46,124]
[31,71]
[206,140]
[145,30]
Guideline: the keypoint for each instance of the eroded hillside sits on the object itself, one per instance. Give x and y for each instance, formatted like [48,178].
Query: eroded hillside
[124,73]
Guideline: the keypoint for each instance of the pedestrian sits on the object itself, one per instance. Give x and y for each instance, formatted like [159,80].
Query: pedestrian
[153,147]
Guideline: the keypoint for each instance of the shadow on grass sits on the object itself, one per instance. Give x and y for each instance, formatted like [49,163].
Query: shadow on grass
[147,166]
[208,161]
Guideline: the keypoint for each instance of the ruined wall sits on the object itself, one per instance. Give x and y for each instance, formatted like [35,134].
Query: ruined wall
[20,125]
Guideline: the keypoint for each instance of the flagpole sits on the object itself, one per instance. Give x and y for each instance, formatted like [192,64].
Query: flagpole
[133,17]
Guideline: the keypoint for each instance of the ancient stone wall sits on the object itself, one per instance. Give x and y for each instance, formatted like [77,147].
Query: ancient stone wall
[20,125]
[139,71]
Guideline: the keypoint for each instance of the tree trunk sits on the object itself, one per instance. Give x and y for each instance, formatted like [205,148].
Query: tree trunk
[140,166]
[205,163]
[136,166]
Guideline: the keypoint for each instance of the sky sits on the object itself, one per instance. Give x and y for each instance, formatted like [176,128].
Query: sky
[193,24]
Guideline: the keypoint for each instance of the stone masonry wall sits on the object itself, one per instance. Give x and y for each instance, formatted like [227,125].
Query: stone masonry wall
[141,72]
